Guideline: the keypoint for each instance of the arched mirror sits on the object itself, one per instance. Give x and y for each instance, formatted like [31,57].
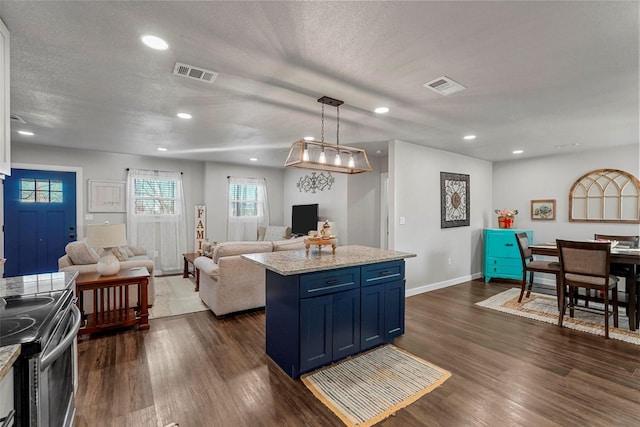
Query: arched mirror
[605,195]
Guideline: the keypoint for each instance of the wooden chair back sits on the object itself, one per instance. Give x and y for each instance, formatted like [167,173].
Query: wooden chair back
[584,264]
[630,241]
[523,245]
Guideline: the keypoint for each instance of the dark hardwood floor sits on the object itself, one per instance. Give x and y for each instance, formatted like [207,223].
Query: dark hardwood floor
[197,370]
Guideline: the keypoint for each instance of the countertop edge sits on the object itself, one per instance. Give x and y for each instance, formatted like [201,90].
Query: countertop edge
[394,256]
[8,355]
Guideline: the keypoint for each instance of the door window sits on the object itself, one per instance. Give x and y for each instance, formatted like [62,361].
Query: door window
[40,191]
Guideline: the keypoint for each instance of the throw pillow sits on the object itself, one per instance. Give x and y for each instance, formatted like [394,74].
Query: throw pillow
[128,250]
[120,254]
[261,231]
[81,254]
[275,232]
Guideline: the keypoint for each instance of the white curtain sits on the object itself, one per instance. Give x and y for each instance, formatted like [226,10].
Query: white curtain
[247,208]
[156,217]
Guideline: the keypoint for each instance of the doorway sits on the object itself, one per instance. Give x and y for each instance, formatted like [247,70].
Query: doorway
[384,210]
[39,219]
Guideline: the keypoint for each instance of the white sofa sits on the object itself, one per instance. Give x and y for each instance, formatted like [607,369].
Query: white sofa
[81,258]
[229,283]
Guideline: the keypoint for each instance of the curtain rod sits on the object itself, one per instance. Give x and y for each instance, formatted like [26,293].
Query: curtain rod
[155,170]
[243,177]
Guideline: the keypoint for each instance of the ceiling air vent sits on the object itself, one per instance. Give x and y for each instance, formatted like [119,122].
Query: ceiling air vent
[16,118]
[444,86]
[195,73]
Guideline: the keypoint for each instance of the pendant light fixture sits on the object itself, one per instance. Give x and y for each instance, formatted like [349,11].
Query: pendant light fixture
[322,156]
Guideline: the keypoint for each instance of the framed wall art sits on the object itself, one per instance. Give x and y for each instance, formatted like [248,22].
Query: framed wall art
[454,200]
[106,196]
[543,209]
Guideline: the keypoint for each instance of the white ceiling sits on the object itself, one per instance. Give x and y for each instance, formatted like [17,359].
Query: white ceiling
[539,75]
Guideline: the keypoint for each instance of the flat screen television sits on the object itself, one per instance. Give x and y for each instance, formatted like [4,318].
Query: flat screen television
[304,218]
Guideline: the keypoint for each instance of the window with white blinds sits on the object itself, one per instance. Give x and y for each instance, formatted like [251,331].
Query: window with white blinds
[155,196]
[243,200]
[248,208]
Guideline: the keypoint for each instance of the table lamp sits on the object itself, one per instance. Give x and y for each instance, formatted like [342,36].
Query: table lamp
[106,236]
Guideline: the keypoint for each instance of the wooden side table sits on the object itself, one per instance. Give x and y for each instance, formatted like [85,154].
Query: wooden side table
[189,259]
[111,305]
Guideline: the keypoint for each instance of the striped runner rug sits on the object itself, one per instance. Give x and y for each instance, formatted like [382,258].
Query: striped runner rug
[367,388]
[544,308]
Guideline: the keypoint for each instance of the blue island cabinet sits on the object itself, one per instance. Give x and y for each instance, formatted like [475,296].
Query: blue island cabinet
[314,319]
[382,299]
[501,254]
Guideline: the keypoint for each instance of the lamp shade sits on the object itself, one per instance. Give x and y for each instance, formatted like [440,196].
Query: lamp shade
[106,235]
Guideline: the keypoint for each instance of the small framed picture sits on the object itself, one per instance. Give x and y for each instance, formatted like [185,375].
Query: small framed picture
[544,210]
[106,196]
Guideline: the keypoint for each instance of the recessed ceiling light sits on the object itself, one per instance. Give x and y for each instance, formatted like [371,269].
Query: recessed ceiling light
[381,110]
[253,159]
[308,138]
[518,151]
[469,137]
[184,115]
[154,42]
[25,132]
[162,149]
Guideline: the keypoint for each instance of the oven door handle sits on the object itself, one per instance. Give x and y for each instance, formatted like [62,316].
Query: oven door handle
[51,356]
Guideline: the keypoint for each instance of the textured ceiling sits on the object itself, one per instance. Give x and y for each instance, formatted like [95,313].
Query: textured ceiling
[539,75]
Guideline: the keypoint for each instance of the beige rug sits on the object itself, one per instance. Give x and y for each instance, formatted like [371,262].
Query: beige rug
[367,388]
[545,309]
[175,295]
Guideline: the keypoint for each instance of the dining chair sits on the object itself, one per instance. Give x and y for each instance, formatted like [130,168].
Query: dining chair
[531,266]
[586,265]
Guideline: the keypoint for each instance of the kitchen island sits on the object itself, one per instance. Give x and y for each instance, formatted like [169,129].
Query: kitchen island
[322,307]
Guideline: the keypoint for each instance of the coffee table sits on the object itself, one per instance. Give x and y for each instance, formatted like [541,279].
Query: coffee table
[111,305]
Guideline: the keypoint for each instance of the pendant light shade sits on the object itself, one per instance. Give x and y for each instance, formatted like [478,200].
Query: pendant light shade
[320,151]
[313,155]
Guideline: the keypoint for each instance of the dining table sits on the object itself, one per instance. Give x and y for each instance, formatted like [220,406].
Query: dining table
[630,256]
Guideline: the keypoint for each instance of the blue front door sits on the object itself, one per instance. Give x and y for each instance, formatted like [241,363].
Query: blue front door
[39,219]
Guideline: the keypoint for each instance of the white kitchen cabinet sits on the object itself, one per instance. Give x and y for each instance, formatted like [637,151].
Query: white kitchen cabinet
[5,105]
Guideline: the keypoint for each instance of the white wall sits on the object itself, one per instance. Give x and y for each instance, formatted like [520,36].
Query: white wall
[111,166]
[414,193]
[332,203]
[363,206]
[216,195]
[517,182]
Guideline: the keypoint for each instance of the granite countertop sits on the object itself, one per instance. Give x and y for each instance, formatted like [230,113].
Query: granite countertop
[36,283]
[296,262]
[8,355]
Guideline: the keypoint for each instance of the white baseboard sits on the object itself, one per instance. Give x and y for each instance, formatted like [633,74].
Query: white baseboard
[433,286]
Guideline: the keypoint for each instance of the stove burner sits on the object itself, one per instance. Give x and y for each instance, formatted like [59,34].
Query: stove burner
[25,318]
[24,305]
[9,327]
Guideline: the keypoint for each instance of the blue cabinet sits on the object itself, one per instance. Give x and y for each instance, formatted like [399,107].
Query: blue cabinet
[501,253]
[329,328]
[314,319]
[382,299]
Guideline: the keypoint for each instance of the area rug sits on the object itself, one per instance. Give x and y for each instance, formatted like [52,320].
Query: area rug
[367,388]
[545,309]
[175,295]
